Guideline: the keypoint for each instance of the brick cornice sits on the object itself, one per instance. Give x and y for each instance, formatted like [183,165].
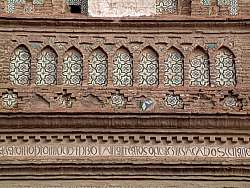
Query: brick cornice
[112,120]
[119,23]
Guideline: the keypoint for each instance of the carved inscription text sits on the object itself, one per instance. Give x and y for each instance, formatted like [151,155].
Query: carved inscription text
[123,151]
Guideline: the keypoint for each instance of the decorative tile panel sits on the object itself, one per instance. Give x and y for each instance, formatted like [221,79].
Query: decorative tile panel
[38,2]
[46,67]
[11,5]
[98,68]
[234,7]
[74,2]
[166,6]
[230,102]
[118,101]
[199,70]
[148,68]
[9,100]
[122,68]
[85,7]
[72,68]
[20,64]
[173,101]
[174,69]
[205,2]
[225,68]
[223,2]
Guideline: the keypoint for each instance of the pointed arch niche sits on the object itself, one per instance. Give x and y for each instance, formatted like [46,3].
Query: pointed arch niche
[20,66]
[98,68]
[149,67]
[72,73]
[225,67]
[123,68]
[174,68]
[199,68]
[46,67]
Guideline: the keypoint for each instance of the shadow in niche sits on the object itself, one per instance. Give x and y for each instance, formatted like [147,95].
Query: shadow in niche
[75,9]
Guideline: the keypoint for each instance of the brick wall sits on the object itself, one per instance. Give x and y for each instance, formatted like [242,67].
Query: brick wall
[87,35]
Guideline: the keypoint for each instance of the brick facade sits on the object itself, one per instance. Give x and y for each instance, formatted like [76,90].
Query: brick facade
[176,78]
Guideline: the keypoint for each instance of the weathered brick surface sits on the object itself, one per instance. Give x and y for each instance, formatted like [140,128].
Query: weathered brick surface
[87,35]
[62,115]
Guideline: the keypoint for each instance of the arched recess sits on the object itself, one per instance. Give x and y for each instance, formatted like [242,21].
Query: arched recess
[72,72]
[20,66]
[98,68]
[174,70]
[199,68]
[46,67]
[149,67]
[123,68]
[225,67]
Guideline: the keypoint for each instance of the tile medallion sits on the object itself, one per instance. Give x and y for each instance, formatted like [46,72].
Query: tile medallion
[9,100]
[173,101]
[118,101]
[230,102]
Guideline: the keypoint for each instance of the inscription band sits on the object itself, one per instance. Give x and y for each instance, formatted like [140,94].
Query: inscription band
[64,150]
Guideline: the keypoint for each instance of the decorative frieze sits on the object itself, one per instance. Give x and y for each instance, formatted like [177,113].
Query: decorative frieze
[128,183]
[130,151]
